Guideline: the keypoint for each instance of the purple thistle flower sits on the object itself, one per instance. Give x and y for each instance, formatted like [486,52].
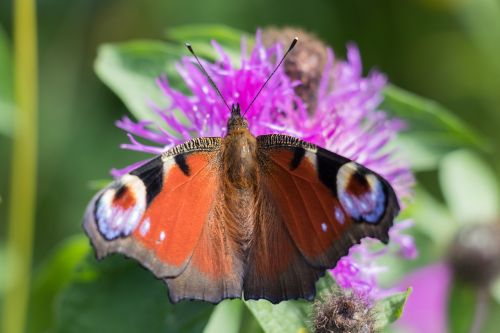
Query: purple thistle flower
[359,270]
[346,120]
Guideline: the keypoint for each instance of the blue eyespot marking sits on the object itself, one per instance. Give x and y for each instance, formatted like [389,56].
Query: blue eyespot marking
[361,194]
[114,220]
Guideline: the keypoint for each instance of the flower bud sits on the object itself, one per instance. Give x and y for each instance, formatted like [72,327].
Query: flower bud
[475,254]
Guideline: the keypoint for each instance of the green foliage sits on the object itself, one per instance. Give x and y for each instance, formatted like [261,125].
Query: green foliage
[389,309]
[52,277]
[224,35]
[6,98]
[289,316]
[469,187]
[201,37]
[461,307]
[3,274]
[117,295]
[226,317]
[432,129]
[131,69]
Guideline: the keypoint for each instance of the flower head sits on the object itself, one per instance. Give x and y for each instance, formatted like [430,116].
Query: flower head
[343,312]
[475,254]
[359,270]
[345,119]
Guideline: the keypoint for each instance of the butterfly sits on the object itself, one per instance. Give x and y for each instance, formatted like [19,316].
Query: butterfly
[241,216]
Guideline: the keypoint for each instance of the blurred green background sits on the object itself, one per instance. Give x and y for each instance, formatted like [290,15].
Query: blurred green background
[446,50]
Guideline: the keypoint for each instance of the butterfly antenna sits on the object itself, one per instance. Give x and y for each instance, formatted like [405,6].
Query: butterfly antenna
[212,83]
[295,40]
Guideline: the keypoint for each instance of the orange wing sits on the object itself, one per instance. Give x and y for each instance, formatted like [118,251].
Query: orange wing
[321,204]
[161,214]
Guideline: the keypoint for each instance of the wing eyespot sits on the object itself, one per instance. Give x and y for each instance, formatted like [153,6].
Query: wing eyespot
[120,207]
[360,193]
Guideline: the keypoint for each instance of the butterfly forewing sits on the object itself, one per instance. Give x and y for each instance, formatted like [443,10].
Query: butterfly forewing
[157,212]
[327,202]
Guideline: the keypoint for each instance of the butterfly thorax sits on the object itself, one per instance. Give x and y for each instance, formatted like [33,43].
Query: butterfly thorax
[239,152]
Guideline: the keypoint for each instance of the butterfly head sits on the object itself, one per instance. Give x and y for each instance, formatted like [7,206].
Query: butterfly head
[236,121]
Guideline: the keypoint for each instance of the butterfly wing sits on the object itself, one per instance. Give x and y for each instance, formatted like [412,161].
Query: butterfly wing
[324,202]
[162,214]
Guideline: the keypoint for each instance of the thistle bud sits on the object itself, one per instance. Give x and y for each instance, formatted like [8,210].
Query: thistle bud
[343,312]
[304,64]
[475,254]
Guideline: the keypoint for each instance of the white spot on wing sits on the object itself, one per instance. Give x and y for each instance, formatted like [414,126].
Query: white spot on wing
[144,228]
[312,158]
[324,227]
[162,237]
[339,215]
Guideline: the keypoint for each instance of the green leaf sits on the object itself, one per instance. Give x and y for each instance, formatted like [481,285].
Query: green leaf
[432,218]
[249,323]
[461,304]
[53,275]
[469,187]
[117,295]
[6,96]
[493,319]
[462,309]
[201,36]
[432,129]
[288,316]
[98,184]
[130,69]
[389,309]
[206,32]
[226,317]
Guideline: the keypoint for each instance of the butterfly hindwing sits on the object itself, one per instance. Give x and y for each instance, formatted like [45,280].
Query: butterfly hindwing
[327,202]
[276,270]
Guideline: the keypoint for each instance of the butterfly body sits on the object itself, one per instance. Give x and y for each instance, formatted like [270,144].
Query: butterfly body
[258,217]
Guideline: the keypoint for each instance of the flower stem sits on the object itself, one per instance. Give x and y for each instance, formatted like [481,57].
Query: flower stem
[24,162]
[481,310]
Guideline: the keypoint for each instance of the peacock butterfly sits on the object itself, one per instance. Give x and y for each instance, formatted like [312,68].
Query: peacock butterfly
[258,217]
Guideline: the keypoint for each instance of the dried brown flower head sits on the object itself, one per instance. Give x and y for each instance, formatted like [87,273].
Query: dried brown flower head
[343,312]
[305,63]
[475,253]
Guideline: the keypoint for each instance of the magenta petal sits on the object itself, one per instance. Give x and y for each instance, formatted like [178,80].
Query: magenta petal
[426,308]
